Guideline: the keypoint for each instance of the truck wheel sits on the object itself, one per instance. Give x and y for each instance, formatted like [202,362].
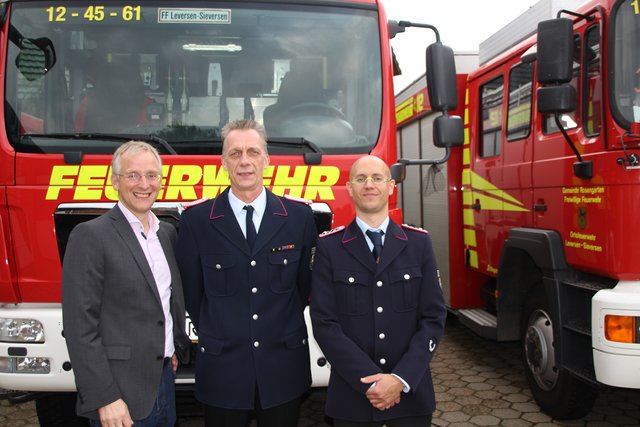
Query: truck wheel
[59,410]
[559,394]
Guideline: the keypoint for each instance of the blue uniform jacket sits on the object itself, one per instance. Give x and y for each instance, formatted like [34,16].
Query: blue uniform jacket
[370,318]
[247,306]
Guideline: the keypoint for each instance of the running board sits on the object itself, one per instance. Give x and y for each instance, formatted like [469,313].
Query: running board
[479,321]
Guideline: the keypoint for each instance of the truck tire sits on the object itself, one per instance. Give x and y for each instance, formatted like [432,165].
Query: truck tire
[559,394]
[59,410]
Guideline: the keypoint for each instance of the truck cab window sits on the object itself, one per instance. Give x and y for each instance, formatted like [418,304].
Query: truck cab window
[491,100]
[593,82]
[519,110]
[304,71]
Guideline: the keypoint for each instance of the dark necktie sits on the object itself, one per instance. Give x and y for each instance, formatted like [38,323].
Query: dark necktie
[251,229]
[376,238]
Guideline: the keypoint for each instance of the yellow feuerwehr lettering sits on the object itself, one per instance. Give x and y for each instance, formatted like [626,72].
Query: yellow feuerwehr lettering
[283,181]
[320,181]
[91,182]
[215,179]
[181,181]
[62,177]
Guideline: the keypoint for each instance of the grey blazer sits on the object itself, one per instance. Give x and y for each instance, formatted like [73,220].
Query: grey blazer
[112,314]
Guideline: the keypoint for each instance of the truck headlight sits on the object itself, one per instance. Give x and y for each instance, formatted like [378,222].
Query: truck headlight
[21,330]
[25,365]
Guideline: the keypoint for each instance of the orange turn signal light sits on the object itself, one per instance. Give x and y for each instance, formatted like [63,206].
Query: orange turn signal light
[620,328]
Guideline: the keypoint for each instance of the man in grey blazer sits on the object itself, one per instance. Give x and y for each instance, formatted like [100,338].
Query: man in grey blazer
[122,302]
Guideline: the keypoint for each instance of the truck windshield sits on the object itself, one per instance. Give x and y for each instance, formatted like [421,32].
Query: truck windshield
[626,65]
[180,70]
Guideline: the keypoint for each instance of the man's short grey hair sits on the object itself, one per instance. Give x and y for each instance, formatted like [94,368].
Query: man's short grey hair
[132,148]
[243,124]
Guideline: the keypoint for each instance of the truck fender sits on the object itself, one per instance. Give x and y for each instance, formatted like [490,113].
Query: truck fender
[530,257]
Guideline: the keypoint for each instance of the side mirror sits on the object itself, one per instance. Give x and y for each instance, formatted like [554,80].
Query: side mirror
[448,131]
[557,99]
[398,172]
[555,51]
[441,77]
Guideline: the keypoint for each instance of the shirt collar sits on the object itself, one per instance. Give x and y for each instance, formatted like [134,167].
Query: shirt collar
[364,227]
[259,204]
[154,223]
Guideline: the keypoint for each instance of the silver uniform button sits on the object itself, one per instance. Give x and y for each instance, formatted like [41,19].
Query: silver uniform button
[351,280]
[255,317]
[379,309]
[256,344]
[381,336]
[407,277]
[379,283]
[253,263]
[383,361]
[285,261]
[304,341]
[218,266]
[254,290]
[202,350]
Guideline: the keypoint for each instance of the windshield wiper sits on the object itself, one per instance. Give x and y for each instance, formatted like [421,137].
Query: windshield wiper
[310,158]
[154,139]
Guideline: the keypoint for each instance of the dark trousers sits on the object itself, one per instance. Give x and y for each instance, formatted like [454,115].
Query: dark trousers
[423,421]
[285,415]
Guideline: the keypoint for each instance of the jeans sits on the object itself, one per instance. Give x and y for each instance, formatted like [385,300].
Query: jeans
[163,413]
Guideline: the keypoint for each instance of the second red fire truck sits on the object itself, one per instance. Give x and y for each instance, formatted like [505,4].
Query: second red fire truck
[536,222]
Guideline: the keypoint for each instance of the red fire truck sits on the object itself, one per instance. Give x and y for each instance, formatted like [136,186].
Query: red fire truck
[81,78]
[534,215]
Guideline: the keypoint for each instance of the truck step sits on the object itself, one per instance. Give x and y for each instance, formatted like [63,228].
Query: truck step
[583,328]
[591,286]
[479,321]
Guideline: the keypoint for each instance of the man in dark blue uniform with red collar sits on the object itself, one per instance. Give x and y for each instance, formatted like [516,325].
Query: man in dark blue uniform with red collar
[377,310]
[245,264]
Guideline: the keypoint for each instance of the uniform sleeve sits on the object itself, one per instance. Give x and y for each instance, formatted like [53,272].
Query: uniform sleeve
[432,316]
[346,358]
[190,266]
[83,274]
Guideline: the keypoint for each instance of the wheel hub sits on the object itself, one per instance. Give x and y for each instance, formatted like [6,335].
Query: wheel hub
[539,350]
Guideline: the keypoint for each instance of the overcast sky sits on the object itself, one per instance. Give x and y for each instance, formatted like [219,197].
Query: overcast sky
[462,25]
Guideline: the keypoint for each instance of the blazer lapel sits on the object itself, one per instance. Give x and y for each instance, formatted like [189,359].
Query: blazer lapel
[395,241]
[224,220]
[123,229]
[275,215]
[354,242]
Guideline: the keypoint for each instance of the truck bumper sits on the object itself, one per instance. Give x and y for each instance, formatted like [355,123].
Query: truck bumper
[616,363]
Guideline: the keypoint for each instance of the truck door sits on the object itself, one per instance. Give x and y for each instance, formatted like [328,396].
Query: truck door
[483,210]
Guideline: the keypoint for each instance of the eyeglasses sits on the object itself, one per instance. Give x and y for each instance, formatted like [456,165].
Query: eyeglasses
[136,177]
[376,179]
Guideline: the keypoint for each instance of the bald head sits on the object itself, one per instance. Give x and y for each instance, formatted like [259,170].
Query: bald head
[369,162]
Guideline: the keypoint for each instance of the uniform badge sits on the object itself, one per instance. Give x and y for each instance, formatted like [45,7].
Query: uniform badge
[187,205]
[330,232]
[418,229]
[312,258]
[298,199]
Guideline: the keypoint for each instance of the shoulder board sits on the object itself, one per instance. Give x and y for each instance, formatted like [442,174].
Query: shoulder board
[418,229]
[330,232]
[298,199]
[188,205]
